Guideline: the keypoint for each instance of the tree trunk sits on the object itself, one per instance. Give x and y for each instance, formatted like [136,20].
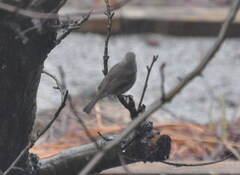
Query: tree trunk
[21,63]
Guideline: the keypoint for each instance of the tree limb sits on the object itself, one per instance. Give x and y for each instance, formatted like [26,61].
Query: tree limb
[71,161]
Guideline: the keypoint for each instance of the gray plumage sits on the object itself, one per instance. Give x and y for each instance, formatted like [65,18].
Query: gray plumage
[119,80]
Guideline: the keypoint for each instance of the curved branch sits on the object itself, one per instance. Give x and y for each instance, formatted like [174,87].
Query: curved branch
[169,96]
[59,86]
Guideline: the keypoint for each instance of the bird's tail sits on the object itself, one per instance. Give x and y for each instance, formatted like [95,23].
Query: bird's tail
[90,105]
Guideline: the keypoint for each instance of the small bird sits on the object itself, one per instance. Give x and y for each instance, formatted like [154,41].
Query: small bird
[119,80]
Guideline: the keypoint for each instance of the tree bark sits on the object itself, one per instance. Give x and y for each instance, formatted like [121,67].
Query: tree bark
[21,62]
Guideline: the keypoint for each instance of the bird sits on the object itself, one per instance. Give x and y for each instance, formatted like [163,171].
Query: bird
[120,78]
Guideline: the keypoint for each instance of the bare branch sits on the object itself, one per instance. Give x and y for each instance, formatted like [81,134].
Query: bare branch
[71,27]
[169,96]
[40,23]
[109,15]
[162,80]
[67,162]
[154,59]
[39,15]
[33,141]
[59,86]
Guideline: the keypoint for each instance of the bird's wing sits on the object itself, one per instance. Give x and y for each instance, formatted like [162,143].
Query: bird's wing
[118,87]
[119,84]
[110,76]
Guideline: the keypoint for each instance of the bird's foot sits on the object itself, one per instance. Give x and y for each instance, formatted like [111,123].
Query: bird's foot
[141,108]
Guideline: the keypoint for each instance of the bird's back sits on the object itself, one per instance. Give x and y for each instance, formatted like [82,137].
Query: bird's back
[118,80]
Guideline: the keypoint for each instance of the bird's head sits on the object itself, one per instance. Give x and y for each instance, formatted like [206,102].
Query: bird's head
[130,57]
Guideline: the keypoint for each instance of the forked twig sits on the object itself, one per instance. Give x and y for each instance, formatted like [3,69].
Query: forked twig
[109,15]
[72,26]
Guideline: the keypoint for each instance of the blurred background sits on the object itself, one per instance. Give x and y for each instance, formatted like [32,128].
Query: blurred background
[181,32]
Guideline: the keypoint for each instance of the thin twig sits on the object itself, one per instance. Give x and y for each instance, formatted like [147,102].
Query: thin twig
[72,26]
[154,59]
[162,80]
[109,15]
[39,15]
[59,85]
[33,141]
[169,96]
